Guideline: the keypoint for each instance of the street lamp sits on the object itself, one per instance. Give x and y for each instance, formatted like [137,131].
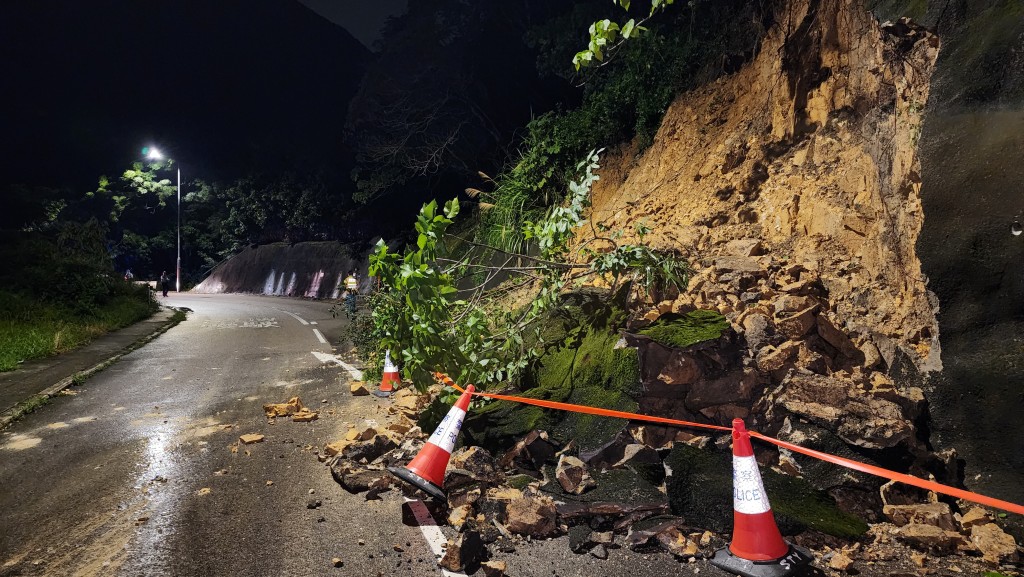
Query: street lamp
[154,154]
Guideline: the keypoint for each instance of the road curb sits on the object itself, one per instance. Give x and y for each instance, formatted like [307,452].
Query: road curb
[15,413]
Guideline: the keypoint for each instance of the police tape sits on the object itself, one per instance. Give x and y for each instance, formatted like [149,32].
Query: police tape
[841,461]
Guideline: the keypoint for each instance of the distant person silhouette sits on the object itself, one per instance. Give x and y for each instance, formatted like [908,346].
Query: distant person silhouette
[351,289]
[165,282]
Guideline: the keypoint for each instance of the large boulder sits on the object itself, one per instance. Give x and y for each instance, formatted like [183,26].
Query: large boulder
[533,516]
[835,403]
[700,488]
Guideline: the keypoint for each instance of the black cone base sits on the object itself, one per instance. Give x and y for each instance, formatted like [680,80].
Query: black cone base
[792,563]
[380,393]
[419,482]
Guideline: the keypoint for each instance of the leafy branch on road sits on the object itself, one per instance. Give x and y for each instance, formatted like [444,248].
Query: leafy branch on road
[471,310]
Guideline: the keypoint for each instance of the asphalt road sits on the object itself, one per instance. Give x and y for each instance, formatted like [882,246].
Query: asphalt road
[139,472]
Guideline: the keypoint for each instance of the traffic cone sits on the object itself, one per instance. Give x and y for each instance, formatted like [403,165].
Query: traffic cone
[426,471]
[757,548]
[390,378]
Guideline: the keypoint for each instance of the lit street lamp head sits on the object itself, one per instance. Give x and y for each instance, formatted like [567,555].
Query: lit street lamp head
[152,153]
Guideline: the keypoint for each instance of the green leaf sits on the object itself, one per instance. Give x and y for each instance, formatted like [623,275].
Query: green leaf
[627,28]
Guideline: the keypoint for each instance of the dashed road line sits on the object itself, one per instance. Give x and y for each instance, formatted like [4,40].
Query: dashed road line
[297,317]
[320,336]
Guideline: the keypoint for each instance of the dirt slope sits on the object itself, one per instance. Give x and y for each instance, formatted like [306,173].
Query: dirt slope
[812,150]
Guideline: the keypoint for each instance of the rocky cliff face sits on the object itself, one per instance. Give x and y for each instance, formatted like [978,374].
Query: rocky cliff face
[794,186]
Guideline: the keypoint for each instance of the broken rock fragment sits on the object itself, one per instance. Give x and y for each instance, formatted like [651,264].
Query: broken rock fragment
[305,416]
[476,461]
[996,546]
[251,438]
[932,539]
[534,450]
[840,561]
[335,448]
[937,514]
[573,476]
[464,551]
[294,405]
[677,543]
[533,516]
[369,450]
[457,516]
[975,516]
[494,568]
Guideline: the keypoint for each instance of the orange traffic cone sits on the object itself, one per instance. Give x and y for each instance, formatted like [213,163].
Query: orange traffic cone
[426,471]
[390,378]
[757,548]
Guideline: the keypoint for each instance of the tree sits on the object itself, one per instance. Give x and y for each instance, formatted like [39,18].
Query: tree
[441,324]
[137,187]
[451,83]
[31,207]
[606,35]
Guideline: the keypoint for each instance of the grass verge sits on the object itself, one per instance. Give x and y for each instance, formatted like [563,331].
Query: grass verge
[32,330]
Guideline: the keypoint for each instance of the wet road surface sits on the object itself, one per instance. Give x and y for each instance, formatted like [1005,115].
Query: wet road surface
[139,471]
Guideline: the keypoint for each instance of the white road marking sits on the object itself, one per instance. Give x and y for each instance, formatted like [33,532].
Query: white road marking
[431,532]
[319,336]
[260,323]
[357,375]
[297,317]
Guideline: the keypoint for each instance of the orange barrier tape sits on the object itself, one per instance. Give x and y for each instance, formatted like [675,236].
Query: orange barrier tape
[894,476]
[579,408]
[843,462]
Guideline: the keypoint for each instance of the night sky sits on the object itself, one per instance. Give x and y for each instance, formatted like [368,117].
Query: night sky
[224,86]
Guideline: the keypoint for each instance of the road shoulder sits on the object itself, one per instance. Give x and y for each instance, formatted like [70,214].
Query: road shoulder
[33,383]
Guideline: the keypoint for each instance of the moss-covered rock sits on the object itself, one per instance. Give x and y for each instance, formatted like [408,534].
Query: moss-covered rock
[615,485]
[700,490]
[519,481]
[681,331]
[584,368]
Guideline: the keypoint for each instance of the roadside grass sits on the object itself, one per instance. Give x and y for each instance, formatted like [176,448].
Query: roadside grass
[31,329]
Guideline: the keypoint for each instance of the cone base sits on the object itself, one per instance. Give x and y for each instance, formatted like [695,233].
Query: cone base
[419,482]
[791,563]
[384,394]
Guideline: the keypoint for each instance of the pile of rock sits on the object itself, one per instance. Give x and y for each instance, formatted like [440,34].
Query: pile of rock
[933,527]
[790,355]
[535,490]
[618,497]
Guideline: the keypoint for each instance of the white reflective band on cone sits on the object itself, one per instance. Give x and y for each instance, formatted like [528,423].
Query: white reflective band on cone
[748,495]
[448,431]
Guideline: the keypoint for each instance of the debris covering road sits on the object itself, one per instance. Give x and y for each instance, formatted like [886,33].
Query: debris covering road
[143,471]
[167,463]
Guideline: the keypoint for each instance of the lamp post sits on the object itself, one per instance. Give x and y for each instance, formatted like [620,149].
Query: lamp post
[154,154]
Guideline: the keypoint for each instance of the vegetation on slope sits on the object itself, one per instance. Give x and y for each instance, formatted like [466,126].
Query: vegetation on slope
[59,291]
